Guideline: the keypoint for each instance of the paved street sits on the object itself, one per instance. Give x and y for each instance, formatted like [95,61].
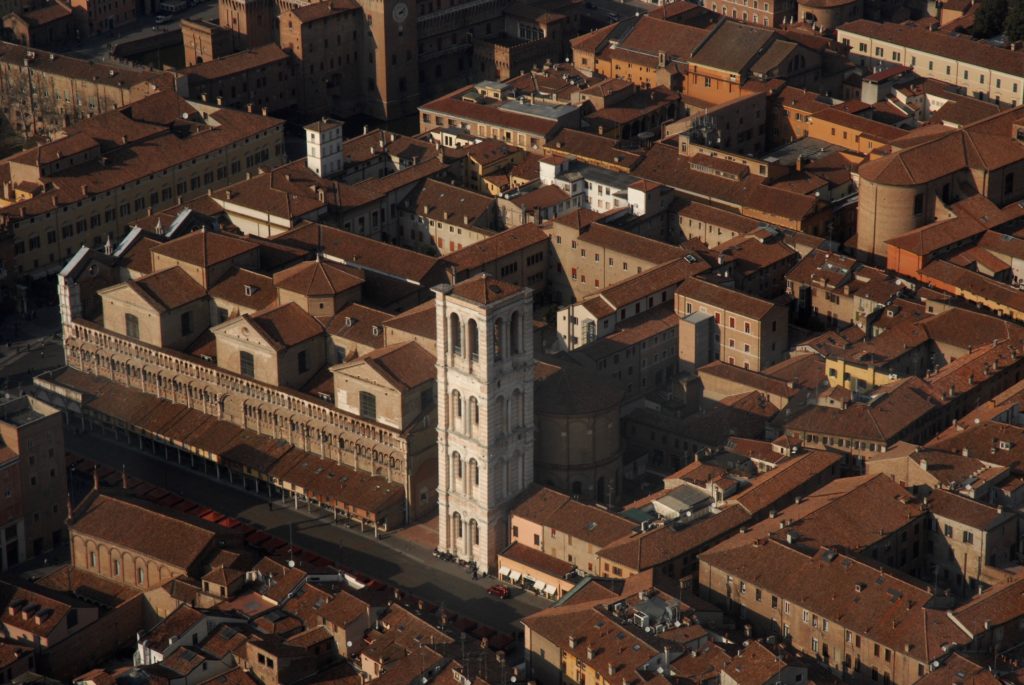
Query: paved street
[395,561]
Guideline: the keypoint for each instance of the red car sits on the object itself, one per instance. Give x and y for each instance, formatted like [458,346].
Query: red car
[499,591]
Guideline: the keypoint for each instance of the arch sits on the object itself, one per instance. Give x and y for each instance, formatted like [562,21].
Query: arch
[456,525]
[474,473]
[517,408]
[501,409]
[474,533]
[474,411]
[515,333]
[455,334]
[456,409]
[456,465]
[474,340]
[499,338]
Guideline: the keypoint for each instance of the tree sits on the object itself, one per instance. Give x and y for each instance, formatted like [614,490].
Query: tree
[990,17]
[1014,26]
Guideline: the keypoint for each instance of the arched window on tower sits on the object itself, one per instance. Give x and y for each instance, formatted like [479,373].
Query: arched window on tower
[474,411]
[457,524]
[456,409]
[502,410]
[457,464]
[515,333]
[455,334]
[517,409]
[499,330]
[474,340]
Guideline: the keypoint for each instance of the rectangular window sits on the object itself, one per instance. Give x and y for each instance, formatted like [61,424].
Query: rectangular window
[303,364]
[131,326]
[368,405]
[186,323]
[246,364]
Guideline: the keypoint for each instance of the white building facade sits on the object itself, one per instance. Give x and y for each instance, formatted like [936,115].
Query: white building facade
[485,413]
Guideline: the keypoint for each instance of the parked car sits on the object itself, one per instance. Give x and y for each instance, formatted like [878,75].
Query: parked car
[499,591]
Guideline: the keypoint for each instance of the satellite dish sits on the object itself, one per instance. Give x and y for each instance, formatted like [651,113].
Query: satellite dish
[291,563]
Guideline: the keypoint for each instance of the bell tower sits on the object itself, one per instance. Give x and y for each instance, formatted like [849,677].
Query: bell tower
[392,80]
[485,413]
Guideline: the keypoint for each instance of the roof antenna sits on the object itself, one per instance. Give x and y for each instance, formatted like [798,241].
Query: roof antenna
[291,548]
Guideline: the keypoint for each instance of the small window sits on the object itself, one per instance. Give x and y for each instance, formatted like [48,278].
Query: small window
[368,405]
[131,326]
[246,364]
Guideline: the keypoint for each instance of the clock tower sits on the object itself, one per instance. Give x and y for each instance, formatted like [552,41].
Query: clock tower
[392,74]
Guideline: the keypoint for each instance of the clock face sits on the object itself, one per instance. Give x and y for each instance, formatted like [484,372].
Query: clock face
[400,12]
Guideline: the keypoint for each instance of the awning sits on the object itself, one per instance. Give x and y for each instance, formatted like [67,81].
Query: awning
[539,586]
[549,589]
[515,576]
[503,571]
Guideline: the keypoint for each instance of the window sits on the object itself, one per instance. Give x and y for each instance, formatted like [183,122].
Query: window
[947,530]
[186,323]
[141,576]
[92,559]
[117,567]
[968,537]
[131,326]
[919,203]
[303,363]
[368,405]
[246,364]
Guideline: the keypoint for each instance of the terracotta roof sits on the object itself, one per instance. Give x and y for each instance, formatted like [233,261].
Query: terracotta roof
[591,147]
[849,593]
[985,145]
[996,606]
[356,322]
[359,251]
[661,545]
[558,511]
[204,248]
[450,203]
[961,48]
[719,296]
[791,477]
[245,288]
[317,278]
[234,64]
[169,289]
[143,530]
[407,365]
[420,321]
[894,409]
[482,253]
[966,511]
[536,559]
[285,324]
[322,10]
[733,46]
[484,289]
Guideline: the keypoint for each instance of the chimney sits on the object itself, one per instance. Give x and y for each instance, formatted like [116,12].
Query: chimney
[572,642]
[799,163]
[220,101]
[248,107]
[590,653]
[263,110]
[611,670]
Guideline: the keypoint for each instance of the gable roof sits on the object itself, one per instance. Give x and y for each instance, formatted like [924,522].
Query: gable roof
[141,529]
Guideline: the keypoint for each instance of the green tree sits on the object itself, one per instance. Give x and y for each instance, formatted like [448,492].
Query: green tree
[990,17]
[1014,26]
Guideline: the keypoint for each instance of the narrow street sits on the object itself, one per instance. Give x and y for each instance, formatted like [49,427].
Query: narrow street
[396,561]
